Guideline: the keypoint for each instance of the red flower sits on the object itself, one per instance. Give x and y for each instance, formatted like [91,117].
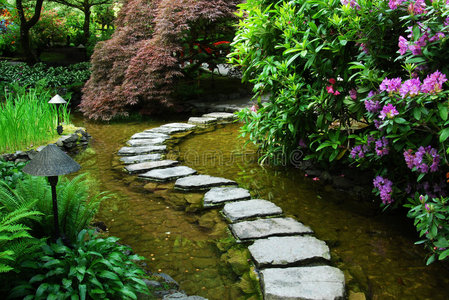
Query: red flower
[330,89]
[332,81]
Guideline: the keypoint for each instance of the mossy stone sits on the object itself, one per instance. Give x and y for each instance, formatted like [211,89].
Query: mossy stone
[209,219]
[238,260]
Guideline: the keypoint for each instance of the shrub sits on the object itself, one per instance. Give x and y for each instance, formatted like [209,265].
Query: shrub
[96,268]
[358,83]
[11,173]
[76,204]
[141,63]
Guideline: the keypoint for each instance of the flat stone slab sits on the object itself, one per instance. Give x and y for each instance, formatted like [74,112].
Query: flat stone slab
[172,128]
[201,182]
[240,210]
[140,158]
[149,165]
[168,174]
[141,150]
[201,120]
[289,250]
[319,282]
[150,135]
[146,142]
[221,116]
[219,195]
[262,228]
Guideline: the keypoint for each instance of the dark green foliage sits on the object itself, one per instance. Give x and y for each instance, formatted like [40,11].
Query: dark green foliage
[76,205]
[54,77]
[96,268]
[11,173]
[15,240]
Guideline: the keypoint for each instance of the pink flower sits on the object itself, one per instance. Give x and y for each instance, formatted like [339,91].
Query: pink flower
[353,94]
[254,108]
[330,89]
[410,88]
[388,111]
[403,45]
[433,83]
[332,81]
[336,93]
[315,179]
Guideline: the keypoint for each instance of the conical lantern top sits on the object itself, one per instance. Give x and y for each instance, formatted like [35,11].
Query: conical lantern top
[51,161]
[57,100]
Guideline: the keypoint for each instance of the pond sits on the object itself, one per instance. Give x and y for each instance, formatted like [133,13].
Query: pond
[375,251]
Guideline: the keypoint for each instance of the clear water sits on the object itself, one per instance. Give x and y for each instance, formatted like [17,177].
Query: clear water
[376,251]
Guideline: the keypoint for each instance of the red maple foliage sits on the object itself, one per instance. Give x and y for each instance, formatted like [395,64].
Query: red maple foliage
[139,66]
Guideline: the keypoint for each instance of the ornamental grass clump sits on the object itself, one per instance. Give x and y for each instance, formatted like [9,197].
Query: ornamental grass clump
[27,120]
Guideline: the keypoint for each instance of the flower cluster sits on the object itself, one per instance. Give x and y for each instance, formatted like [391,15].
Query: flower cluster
[330,88]
[359,151]
[433,83]
[416,47]
[393,4]
[380,148]
[391,85]
[424,160]
[385,188]
[388,111]
[410,88]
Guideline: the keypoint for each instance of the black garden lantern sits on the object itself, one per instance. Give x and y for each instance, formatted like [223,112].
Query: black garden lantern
[52,162]
[57,100]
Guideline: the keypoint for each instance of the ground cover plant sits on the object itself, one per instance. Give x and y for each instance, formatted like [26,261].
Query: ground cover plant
[26,119]
[155,43]
[360,83]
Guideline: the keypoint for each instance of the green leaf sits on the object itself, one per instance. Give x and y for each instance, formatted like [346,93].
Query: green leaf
[444,134]
[443,254]
[109,275]
[83,291]
[442,109]
[417,113]
[400,120]
[430,260]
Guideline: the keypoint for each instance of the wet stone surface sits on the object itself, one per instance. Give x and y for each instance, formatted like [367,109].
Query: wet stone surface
[168,174]
[319,282]
[150,165]
[219,195]
[262,228]
[140,158]
[201,182]
[289,250]
[249,209]
[202,120]
[146,142]
[221,116]
[141,150]
[150,135]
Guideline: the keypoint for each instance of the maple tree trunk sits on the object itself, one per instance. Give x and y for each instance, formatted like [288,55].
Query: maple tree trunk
[25,27]
[86,25]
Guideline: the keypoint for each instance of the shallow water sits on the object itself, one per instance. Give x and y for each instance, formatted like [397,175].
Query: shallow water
[376,251]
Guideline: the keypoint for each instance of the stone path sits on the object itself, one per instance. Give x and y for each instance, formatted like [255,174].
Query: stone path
[292,263]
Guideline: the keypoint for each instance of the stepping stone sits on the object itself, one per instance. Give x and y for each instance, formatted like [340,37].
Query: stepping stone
[146,142]
[251,208]
[150,135]
[201,120]
[262,228]
[172,128]
[221,116]
[289,250]
[140,158]
[168,174]
[201,182]
[141,150]
[180,125]
[319,282]
[150,165]
[218,195]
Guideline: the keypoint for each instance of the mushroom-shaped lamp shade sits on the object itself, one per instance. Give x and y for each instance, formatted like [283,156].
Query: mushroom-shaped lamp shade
[57,100]
[51,161]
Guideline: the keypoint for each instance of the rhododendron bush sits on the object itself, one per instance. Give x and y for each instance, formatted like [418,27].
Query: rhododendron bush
[155,43]
[360,83]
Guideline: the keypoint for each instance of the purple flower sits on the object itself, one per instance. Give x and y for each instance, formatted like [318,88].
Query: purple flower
[302,144]
[385,188]
[377,123]
[410,87]
[424,160]
[358,151]
[390,85]
[353,94]
[372,106]
[381,147]
[416,7]
[436,37]
[403,45]
[433,83]
[393,4]
[388,111]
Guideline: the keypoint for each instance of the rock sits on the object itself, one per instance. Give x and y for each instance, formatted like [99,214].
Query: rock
[168,174]
[356,296]
[289,250]
[209,219]
[168,279]
[219,195]
[318,282]
[124,151]
[262,228]
[146,142]
[250,208]
[181,296]
[238,260]
[172,128]
[342,183]
[201,182]
[313,173]
[152,284]
[201,120]
[147,134]
[140,158]
[149,165]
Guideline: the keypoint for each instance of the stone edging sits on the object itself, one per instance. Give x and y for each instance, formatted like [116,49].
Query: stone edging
[68,143]
[291,262]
